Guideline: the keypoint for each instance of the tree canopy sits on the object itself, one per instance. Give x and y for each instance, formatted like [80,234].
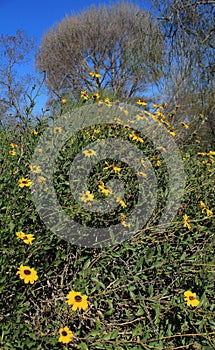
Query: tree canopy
[121,42]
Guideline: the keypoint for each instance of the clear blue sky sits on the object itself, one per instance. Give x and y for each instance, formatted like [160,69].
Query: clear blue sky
[35,17]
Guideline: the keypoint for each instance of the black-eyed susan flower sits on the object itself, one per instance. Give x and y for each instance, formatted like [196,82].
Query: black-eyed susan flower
[23,182]
[205,209]
[121,202]
[142,174]
[57,130]
[95,75]
[87,197]
[141,103]
[160,114]
[171,132]
[41,180]
[156,106]
[24,237]
[140,117]
[186,126]
[29,275]
[13,145]
[104,189]
[77,300]
[35,169]
[89,153]
[186,222]
[34,132]
[95,96]
[63,101]
[84,95]
[115,168]
[12,152]
[190,298]
[65,335]
[96,131]
[13,172]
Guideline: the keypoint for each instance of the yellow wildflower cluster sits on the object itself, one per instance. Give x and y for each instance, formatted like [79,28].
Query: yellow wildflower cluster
[135,137]
[14,146]
[104,189]
[210,157]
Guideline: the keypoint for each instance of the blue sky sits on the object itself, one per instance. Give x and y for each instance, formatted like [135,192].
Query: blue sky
[35,17]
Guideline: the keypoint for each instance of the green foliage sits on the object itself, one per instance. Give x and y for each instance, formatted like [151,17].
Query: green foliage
[135,289]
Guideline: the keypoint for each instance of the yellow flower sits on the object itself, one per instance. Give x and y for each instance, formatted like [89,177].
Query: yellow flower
[114,167]
[158,106]
[124,110]
[77,300]
[64,101]
[57,130]
[41,180]
[141,173]
[95,75]
[209,212]
[34,132]
[13,172]
[27,274]
[87,197]
[171,132]
[160,114]
[95,96]
[184,125]
[26,238]
[158,163]
[141,103]
[89,153]
[205,208]
[197,141]
[24,182]
[104,189]
[140,117]
[65,335]
[84,95]
[135,137]
[12,153]
[190,298]
[186,222]
[35,169]
[14,145]
[121,202]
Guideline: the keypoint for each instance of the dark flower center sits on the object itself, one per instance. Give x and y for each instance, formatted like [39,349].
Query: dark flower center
[25,237]
[27,272]
[78,298]
[64,333]
[191,297]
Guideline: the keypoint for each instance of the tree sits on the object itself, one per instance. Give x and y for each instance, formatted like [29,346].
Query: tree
[16,101]
[189,28]
[121,42]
